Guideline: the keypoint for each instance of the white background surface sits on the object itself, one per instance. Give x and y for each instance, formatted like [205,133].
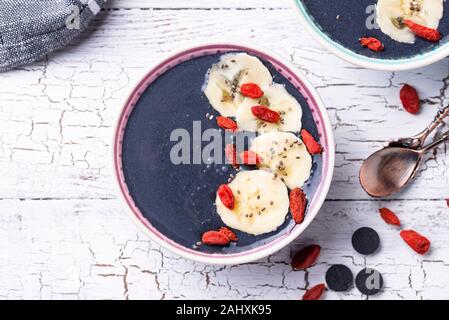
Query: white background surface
[65,234]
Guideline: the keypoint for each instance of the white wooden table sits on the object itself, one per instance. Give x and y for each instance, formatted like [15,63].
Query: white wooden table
[65,234]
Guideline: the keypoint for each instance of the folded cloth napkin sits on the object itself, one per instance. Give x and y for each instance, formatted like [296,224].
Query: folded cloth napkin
[29,29]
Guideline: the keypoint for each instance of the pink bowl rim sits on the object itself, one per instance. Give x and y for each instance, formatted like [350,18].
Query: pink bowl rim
[320,116]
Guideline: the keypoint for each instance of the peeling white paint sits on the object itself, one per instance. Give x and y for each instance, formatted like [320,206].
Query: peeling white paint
[64,234]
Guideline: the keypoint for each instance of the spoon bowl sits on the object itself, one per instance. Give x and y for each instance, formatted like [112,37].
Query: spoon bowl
[389,170]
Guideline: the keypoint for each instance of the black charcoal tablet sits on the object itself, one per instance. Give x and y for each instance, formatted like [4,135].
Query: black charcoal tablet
[365,241]
[339,278]
[369,281]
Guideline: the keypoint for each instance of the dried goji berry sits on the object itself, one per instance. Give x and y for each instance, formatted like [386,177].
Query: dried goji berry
[250,158]
[389,216]
[311,144]
[306,257]
[417,242]
[251,90]
[372,44]
[424,32]
[447,202]
[226,196]
[228,233]
[231,154]
[298,203]
[265,114]
[226,123]
[410,99]
[215,238]
[314,293]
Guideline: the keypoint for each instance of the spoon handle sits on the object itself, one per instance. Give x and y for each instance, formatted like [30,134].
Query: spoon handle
[441,115]
[436,143]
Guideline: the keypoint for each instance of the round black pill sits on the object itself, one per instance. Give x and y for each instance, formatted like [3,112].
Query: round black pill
[339,278]
[369,281]
[365,240]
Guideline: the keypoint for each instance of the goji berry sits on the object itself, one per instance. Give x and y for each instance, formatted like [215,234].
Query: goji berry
[447,202]
[314,293]
[417,242]
[226,123]
[410,99]
[424,32]
[389,217]
[306,257]
[215,238]
[231,154]
[228,233]
[372,44]
[251,90]
[311,144]
[265,114]
[298,202]
[250,158]
[226,196]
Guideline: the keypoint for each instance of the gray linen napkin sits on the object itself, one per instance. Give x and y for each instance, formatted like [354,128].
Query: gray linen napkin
[29,29]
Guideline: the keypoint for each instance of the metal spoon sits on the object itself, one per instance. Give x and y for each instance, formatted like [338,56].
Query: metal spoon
[390,169]
[417,141]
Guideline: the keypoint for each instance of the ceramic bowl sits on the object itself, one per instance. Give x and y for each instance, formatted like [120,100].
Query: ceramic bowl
[174,204]
[338,25]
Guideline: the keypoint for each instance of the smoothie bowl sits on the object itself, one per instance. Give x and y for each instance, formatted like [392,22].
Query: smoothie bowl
[410,33]
[223,153]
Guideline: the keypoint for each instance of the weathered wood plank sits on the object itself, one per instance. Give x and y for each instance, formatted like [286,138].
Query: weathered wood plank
[91,249]
[195,4]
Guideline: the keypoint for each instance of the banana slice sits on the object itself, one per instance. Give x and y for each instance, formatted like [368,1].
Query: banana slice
[224,80]
[284,155]
[424,12]
[277,99]
[261,203]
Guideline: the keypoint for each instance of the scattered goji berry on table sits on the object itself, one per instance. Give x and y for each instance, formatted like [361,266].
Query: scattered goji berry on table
[372,44]
[228,233]
[424,32]
[215,238]
[250,158]
[226,123]
[226,196]
[231,154]
[298,203]
[314,293]
[265,114]
[410,99]
[389,217]
[251,90]
[417,242]
[311,144]
[306,257]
